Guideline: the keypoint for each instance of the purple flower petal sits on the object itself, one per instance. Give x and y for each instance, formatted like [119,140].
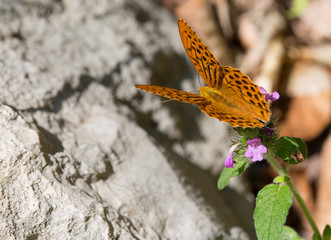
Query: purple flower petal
[229,162]
[268,131]
[253,141]
[255,149]
[263,91]
[249,152]
[273,97]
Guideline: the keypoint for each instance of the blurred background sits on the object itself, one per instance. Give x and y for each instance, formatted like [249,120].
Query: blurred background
[86,155]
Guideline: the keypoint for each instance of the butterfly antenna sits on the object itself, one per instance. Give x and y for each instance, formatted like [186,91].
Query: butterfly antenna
[168,100]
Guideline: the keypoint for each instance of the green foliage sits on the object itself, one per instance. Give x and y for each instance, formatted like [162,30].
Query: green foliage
[298,6]
[274,200]
[327,232]
[316,237]
[272,205]
[289,234]
[302,146]
[290,149]
[242,134]
[280,179]
[285,147]
[228,173]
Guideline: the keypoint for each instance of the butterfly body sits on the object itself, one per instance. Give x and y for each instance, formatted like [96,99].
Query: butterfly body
[229,107]
[229,96]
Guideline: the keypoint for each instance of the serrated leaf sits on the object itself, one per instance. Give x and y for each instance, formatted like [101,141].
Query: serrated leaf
[327,232]
[272,205]
[285,146]
[289,234]
[228,173]
[291,149]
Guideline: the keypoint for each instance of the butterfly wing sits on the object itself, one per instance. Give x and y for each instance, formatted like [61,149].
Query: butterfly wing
[174,94]
[202,59]
[235,119]
[239,102]
[247,95]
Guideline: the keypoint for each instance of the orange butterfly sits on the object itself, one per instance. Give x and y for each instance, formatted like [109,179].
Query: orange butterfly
[229,96]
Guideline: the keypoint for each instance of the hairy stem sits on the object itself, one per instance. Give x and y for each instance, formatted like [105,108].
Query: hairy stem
[296,194]
[303,207]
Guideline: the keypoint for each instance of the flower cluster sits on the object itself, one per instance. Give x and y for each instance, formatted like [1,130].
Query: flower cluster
[254,152]
[255,148]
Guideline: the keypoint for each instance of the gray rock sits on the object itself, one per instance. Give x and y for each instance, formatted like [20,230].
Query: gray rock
[83,154]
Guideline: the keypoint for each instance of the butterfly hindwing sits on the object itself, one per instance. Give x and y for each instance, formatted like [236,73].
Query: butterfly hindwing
[244,91]
[234,120]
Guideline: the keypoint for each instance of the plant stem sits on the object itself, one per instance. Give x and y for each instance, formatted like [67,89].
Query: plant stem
[296,194]
[276,166]
[303,207]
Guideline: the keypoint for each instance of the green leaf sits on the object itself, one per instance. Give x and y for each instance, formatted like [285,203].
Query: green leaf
[327,232]
[272,205]
[285,146]
[302,146]
[228,173]
[291,149]
[289,234]
[279,179]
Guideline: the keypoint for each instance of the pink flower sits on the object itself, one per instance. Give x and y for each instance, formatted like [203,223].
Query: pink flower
[229,162]
[255,149]
[273,97]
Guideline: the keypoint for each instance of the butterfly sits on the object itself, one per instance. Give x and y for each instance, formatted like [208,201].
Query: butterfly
[229,96]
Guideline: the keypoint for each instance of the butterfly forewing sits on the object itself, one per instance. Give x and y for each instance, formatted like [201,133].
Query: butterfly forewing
[174,94]
[202,59]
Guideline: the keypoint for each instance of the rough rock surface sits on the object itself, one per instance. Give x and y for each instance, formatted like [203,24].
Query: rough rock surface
[83,154]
